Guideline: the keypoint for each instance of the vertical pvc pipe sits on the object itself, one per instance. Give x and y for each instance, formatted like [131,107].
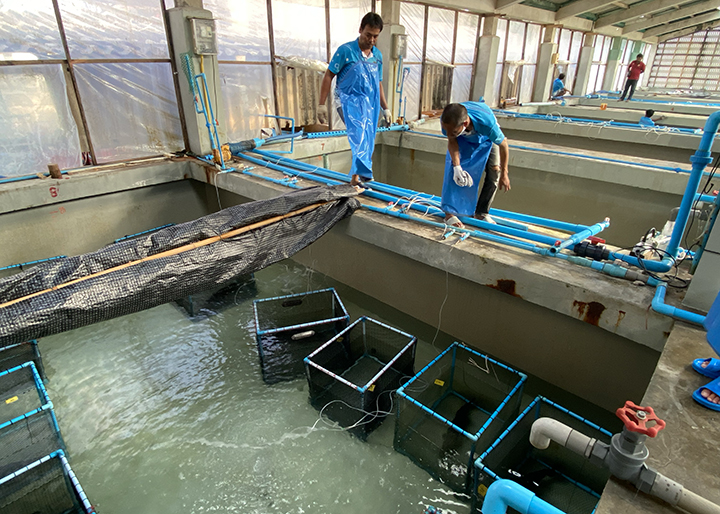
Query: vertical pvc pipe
[659,305]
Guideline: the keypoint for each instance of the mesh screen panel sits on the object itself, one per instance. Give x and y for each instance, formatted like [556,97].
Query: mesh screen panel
[453,410]
[45,488]
[291,327]
[12,356]
[557,475]
[21,392]
[28,440]
[340,374]
[172,276]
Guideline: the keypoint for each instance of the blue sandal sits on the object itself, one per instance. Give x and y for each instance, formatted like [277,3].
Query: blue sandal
[713,387]
[712,370]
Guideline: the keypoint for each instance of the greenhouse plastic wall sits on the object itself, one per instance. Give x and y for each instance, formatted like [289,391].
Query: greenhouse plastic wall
[557,475]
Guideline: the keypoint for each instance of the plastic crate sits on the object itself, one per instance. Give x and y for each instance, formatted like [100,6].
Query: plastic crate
[289,328]
[557,475]
[16,354]
[453,410]
[22,393]
[352,377]
[47,485]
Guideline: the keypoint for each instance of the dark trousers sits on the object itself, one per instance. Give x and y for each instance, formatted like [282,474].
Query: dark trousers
[629,84]
[490,182]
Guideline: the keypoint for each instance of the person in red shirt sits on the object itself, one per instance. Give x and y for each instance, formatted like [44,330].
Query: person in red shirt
[634,70]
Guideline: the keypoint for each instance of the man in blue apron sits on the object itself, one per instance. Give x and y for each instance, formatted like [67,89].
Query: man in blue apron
[472,132]
[358,67]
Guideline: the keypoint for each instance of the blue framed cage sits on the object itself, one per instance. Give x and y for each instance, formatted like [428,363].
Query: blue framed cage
[47,485]
[557,475]
[352,377]
[289,328]
[22,393]
[16,354]
[453,410]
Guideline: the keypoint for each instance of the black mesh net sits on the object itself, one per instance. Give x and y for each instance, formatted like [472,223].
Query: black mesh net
[208,303]
[21,392]
[28,440]
[46,488]
[180,271]
[344,382]
[14,355]
[289,328]
[557,475]
[462,389]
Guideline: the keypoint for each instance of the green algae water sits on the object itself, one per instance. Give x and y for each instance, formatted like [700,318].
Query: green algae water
[163,414]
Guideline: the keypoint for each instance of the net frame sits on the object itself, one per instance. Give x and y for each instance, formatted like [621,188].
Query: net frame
[15,354]
[56,459]
[28,438]
[364,407]
[17,376]
[513,448]
[437,444]
[280,339]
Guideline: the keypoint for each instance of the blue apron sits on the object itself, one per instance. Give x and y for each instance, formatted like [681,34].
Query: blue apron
[474,153]
[359,93]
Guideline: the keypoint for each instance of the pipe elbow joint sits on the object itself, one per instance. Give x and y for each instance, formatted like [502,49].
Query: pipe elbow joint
[503,494]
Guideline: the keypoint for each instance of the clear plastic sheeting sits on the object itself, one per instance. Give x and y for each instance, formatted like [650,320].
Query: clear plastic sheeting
[248,94]
[526,82]
[412,17]
[130,108]
[411,92]
[467,36]
[462,75]
[345,18]
[38,127]
[172,263]
[114,29]
[300,28]
[516,37]
[441,27]
[242,29]
[29,31]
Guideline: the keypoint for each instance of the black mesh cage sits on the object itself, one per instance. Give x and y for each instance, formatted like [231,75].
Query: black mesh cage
[453,410]
[352,378]
[289,328]
[47,486]
[21,392]
[27,440]
[16,354]
[214,300]
[557,475]
[169,264]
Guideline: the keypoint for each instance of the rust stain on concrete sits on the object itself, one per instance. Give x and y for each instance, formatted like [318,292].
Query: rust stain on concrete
[621,315]
[590,312]
[505,286]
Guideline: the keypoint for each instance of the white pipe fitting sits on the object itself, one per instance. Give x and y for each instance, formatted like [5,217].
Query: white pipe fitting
[545,430]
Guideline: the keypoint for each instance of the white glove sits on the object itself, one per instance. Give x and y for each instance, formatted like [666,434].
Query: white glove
[322,114]
[388,116]
[461,177]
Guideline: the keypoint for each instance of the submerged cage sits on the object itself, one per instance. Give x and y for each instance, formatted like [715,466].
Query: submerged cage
[289,328]
[22,392]
[16,354]
[47,485]
[210,302]
[353,376]
[557,475]
[453,410]
[27,439]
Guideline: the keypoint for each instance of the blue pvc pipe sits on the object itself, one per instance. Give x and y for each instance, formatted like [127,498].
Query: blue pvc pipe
[659,305]
[27,177]
[398,191]
[504,494]
[377,192]
[582,235]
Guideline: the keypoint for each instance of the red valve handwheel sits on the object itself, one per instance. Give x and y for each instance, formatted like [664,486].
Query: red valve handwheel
[630,414]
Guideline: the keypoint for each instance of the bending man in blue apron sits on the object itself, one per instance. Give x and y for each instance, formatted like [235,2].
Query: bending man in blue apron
[358,66]
[473,135]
